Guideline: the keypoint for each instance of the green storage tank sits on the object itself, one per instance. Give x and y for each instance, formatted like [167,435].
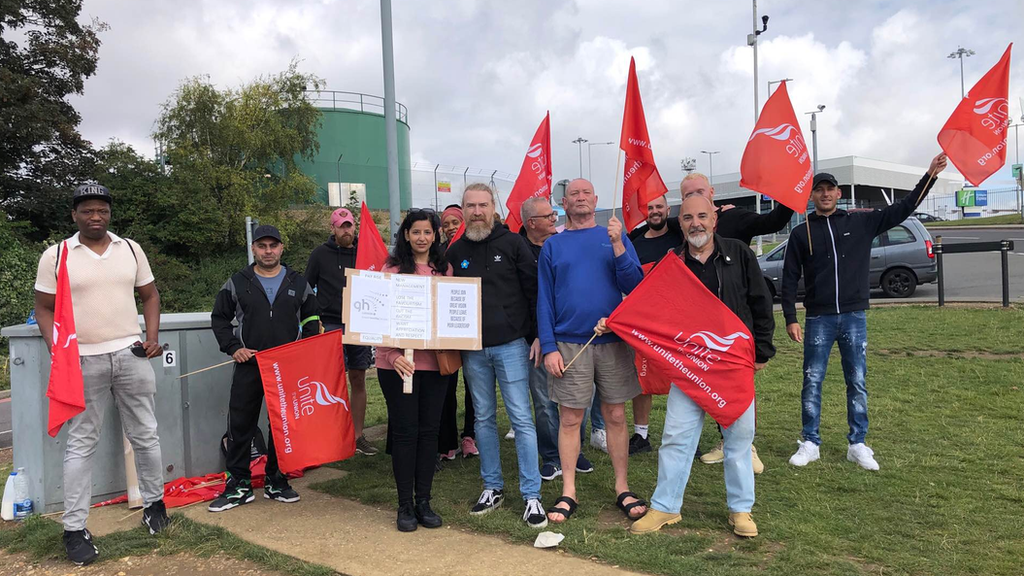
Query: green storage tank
[353,150]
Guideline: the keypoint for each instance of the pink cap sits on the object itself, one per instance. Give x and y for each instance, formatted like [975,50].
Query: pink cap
[342,215]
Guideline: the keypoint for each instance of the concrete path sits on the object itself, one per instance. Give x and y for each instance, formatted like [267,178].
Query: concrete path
[362,541]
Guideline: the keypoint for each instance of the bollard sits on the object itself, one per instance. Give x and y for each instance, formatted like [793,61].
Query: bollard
[937,250]
[1004,251]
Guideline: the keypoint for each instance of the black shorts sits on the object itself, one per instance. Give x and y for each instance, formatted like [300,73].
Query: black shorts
[356,357]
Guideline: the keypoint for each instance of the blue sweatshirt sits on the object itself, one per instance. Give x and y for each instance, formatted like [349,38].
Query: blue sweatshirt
[579,282]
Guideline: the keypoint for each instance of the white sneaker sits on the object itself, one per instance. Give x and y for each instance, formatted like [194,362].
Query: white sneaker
[807,453]
[599,440]
[511,434]
[862,455]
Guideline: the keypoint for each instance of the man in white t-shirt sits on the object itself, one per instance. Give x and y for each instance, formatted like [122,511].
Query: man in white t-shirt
[105,271]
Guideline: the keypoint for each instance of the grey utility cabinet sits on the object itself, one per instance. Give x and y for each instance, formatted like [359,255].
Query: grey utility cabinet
[191,412]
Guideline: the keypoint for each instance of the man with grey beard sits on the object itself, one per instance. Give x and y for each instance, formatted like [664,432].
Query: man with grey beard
[505,264]
[729,270]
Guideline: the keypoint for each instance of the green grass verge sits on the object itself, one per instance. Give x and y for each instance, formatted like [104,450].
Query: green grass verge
[945,428]
[1003,219]
[5,371]
[41,539]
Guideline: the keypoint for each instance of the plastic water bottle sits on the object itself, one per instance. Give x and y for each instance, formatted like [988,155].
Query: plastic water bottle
[31,318]
[22,502]
[7,507]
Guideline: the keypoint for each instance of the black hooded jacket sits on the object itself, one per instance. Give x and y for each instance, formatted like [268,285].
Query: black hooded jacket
[742,289]
[508,272]
[325,271]
[260,324]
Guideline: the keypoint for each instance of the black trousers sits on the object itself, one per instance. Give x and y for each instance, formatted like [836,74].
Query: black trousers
[244,408]
[413,421]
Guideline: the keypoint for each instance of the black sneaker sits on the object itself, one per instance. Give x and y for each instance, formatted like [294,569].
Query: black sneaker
[550,472]
[583,466]
[79,547]
[638,445]
[364,447]
[407,518]
[278,489]
[425,516]
[155,517]
[489,500]
[534,515]
[236,493]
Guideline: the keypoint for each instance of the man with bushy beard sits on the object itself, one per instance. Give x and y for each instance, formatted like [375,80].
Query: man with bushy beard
[729,270]
[505,265]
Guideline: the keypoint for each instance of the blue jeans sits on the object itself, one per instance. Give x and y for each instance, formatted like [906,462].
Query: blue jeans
[596,419]
[851,331]
[684,420]
[510,363]
[546,413]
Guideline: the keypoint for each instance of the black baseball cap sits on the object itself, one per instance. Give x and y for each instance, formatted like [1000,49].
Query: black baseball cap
[91,192]
[266,231]
[824,177]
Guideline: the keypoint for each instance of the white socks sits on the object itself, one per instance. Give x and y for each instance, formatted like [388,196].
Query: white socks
[640,429]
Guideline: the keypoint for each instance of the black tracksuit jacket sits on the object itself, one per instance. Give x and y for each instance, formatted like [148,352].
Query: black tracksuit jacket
[836,271]
[325,271]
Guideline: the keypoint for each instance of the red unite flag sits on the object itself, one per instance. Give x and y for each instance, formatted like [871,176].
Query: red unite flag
[974,137]
[776,162]
[66,389]
[307,401]
[694,340]
[371,253]
[641,182]
[534,176]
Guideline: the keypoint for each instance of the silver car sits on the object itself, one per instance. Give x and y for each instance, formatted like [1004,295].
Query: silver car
[901,258]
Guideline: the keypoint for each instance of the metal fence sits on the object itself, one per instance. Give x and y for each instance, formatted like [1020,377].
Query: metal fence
[338,100]
[1000,201]
[438,185]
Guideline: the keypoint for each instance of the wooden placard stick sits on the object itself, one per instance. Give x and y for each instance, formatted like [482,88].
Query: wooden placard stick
[131,475]
[407,380]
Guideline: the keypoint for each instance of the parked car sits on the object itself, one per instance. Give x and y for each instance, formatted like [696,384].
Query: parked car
[927,217]
[901,258]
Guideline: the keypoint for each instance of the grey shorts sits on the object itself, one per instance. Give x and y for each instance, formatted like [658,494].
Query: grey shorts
[609,366]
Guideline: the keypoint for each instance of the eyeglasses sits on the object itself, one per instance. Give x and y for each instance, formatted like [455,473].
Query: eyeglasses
[552,217]
[423,210]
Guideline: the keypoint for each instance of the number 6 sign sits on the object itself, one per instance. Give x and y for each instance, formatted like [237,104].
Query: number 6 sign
[170,359]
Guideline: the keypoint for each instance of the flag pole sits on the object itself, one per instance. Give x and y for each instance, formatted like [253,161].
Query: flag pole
[232,361]
[931,176]
[580,352]
[615,185]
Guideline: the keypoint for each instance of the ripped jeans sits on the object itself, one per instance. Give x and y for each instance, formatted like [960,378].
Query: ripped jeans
[850,330]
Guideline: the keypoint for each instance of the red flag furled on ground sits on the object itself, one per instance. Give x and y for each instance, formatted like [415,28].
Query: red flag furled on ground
[694,340]
[974,137]
[307,401]
[66,389]
[776,162]
[371,253]
[641,182]
[534,176]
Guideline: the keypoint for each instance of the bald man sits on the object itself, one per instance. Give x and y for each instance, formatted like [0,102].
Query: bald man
[581,277]
[728,269]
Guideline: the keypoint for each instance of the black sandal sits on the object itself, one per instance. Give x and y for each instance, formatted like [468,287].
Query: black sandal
[627,508]
[565,513]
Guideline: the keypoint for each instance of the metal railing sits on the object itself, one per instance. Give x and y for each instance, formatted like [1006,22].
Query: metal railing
[1004,247]
[338,100]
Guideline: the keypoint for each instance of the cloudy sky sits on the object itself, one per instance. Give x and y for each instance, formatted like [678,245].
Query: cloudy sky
[478,76]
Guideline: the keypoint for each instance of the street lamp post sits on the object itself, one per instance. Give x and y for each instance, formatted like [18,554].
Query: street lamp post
[752,42]
[960,54]
[590,169]
[814,136]
[711,165]
[580,140]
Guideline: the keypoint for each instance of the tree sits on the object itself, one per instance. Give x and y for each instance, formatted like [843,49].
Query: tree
[42,154]
[232,153]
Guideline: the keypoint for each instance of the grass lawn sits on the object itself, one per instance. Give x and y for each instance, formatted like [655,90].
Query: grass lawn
[946,405]
[1003,219]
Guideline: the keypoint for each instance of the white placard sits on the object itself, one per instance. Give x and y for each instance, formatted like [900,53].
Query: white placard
[170,358]
[456,310]
[410,307]
[371,305]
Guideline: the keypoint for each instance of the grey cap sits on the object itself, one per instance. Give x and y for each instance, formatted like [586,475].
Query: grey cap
[266,231]
[91,192]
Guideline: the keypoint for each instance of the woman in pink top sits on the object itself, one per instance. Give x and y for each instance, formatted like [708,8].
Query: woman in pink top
[414,419]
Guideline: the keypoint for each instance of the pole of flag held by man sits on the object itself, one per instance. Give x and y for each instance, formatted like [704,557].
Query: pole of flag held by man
[974,137]
[534,180]
[641,181]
